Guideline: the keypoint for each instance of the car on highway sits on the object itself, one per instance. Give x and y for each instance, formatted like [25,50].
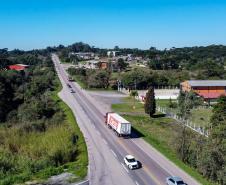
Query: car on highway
[175,181]
[72,91]
[68,85]
[131,162]
[70,79]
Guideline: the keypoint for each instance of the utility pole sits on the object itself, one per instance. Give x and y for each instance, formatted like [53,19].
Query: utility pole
[135,84]
[119,85]
[22,79]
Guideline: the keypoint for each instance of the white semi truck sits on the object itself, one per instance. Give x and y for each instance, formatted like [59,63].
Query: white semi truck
[121,126]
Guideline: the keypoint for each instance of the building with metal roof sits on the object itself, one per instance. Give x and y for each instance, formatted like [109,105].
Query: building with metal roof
[208,89]
[210,83]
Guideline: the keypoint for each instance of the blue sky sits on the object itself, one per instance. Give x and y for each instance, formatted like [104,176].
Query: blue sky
[28,24]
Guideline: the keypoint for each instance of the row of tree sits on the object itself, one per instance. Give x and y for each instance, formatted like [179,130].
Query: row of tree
[91,78]
[207,155]
[189,58]
[142,78]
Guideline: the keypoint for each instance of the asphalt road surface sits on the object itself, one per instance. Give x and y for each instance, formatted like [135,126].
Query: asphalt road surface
[106,150]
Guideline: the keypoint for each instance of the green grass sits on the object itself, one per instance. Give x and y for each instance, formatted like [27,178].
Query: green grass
[81,83]
[162,103]
[83,62]
[80,166]
[78,79]
[201,116]
[159,132]
[62,60]
[115,75]
[127,106]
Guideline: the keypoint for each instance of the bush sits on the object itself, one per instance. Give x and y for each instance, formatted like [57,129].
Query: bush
[172,104]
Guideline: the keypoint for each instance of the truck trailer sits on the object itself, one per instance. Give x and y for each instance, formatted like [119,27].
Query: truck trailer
[121,126]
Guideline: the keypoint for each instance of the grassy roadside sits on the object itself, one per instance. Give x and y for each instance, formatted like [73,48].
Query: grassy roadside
[80,166]
[127,106]
[84,86]
[199,116]
[37,155]
[79,81]
[160,132]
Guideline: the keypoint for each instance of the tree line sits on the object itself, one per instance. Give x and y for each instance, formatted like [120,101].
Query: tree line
[167,67]
[207,155]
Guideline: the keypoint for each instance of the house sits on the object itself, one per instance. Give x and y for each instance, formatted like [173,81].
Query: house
[83,55]
[18,67]
[208,89]
[113,53]
[92,64]
[103,65]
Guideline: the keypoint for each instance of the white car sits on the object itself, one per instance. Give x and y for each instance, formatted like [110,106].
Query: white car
[175,181]
[131,162]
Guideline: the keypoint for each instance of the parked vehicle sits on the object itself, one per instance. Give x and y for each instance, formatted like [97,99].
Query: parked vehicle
[121,126]
[175,181]
[131,162]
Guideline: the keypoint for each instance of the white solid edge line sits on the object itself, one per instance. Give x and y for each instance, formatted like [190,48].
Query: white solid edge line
[124,168]
[105,142]
[154,160]
[113,153]
[82,182]
[136,183]
[98,132]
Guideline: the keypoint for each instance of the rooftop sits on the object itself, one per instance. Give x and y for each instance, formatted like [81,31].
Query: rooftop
[119,118]
[175,178]
[204,83]
[212,95]
[129,157]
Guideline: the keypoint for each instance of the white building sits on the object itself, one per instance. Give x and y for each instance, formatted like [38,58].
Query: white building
[113,53]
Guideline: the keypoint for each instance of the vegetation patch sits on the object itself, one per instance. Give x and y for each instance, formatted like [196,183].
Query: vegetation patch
[127,106]
[39,136]
[199,116]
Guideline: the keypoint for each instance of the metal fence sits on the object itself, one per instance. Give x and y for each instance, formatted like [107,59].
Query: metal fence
[167,87]
[187,123]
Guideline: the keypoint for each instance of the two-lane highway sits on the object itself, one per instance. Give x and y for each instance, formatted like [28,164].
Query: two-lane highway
[106,150]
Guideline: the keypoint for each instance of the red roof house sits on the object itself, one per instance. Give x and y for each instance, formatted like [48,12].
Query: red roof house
[18,67]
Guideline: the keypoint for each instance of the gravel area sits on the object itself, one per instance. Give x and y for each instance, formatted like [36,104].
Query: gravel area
[107,98]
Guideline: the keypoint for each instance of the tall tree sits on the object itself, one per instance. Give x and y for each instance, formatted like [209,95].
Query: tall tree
[213,160]
[121,64]
[134,93]
[187,101]
[150,104]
